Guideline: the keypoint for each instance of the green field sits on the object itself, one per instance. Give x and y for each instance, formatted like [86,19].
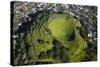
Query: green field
[55,39]
[62,28]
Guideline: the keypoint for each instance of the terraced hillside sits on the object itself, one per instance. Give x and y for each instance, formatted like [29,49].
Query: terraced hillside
[51,38]
[51,35]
